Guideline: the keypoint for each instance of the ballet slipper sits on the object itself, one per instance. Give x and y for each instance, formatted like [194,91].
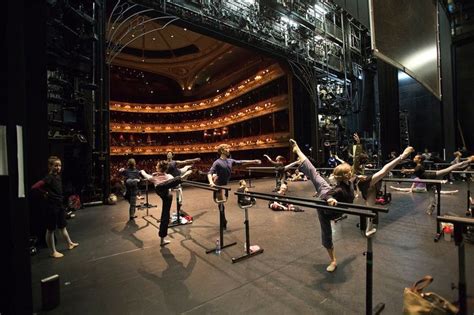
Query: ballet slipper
[73,245]
[294,146]
[56,255]
[332,266]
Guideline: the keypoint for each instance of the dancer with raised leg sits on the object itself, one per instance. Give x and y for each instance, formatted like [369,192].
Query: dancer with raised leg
[163,182]
[178,168]
[342,192]
[221,170]
[370,185]
[420,172]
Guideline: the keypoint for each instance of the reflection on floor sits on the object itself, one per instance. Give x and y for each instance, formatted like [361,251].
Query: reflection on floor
[119,267]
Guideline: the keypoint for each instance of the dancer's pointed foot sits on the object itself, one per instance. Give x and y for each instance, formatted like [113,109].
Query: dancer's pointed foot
[294,146]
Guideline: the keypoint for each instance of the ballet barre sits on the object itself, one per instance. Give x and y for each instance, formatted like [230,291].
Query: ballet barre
[460,227]
[363,223]
[436,182]
[290,199]
[413,180]
[463,172]
[357,210]
[326,169]
[267,169]
[220,204]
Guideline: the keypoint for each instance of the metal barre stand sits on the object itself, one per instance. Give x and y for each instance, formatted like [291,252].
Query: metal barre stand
[248,253]
[468,181]
[460,226]
[178,210]
[147,205]
[250,179]
[438,192]
[363,215]
[267,169]
[220,205]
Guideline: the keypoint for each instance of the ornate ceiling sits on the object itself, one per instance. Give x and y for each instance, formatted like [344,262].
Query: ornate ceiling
[191,59]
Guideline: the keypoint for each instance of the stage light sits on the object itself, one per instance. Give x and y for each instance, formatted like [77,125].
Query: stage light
[421,58]
[403,76]
[320,9]
[288,21]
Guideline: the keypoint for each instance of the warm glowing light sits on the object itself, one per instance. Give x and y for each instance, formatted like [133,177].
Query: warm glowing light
[421,58]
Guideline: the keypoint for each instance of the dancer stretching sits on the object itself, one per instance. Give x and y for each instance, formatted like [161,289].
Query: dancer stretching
[419,171]
[163,182]
[177,168]
[370,185]
[279,165]
[221,169]
[342,192]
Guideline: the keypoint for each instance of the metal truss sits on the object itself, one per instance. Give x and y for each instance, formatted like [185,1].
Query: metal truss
[129,20]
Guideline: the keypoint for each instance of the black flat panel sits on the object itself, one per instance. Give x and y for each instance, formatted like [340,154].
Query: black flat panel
[364,13]
[351,7]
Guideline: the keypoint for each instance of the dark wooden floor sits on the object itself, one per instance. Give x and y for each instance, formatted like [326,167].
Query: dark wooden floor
[119,267]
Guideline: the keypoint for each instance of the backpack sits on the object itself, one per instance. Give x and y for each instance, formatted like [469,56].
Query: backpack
[74,202]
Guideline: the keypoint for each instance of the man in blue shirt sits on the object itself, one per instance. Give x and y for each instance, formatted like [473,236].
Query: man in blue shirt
[221,170]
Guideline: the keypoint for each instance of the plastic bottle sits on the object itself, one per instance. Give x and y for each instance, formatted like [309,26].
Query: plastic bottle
[448,232]
[218,246]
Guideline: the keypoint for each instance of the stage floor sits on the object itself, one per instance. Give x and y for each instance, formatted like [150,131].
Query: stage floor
[119,267]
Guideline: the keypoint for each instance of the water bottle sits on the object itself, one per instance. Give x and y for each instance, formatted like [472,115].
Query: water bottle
[218,247]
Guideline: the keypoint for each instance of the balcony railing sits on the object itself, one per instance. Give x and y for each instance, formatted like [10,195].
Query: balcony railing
[261,78]
[274,140]
[272,105]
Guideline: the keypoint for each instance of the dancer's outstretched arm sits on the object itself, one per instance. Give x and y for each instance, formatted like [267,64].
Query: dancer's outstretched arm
[455,167]
[339,159]
[187,162]
[270,160]
[245,162]
[390,166]
[145,175]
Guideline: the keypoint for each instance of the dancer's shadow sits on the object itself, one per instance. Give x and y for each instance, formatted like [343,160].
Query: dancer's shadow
[171,282]
[340,275]
[128,232]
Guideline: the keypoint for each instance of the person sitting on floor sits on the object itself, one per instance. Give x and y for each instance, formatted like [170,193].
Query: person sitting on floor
[282,206]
